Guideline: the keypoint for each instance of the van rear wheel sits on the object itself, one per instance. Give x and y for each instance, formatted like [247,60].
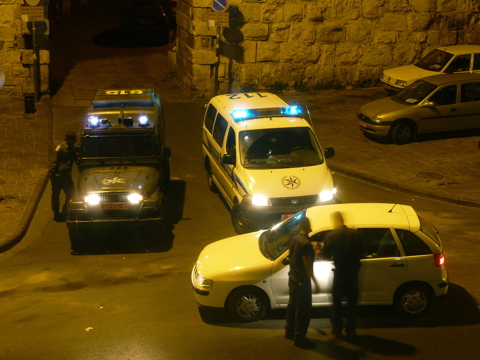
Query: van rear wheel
[211,185]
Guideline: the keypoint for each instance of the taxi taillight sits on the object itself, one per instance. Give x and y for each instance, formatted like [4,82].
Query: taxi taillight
[439,259]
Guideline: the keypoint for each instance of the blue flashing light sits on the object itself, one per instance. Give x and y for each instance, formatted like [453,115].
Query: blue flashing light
[242,114]
[291,110]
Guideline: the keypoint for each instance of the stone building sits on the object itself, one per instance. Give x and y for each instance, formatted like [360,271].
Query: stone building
[270,44]
[313,44]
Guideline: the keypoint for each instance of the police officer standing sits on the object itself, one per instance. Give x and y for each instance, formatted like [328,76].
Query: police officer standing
[345,246]
[299,306]
[61,174]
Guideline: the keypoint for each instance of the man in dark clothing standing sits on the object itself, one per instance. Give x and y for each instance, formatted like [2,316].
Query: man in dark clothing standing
[299,307]
[345,247]
[61,174]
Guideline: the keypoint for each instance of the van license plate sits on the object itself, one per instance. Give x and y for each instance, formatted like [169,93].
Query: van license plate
[114,206]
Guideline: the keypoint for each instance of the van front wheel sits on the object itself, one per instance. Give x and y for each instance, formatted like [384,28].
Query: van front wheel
[238,221]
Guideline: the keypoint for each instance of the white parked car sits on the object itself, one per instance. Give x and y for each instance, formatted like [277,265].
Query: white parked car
[404,265]
[443,60]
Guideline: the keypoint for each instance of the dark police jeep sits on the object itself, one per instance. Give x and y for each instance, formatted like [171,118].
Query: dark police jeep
[124,169]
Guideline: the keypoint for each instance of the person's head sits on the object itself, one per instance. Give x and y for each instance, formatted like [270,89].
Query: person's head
[337,220]
[304,226]
[70,138]
[317,247]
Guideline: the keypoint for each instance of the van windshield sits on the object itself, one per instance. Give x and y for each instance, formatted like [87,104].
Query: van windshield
[279,148]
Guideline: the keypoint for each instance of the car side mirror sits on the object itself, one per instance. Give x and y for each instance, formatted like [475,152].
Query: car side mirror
[428,104]
[286,261]
[329,152]
[228,159]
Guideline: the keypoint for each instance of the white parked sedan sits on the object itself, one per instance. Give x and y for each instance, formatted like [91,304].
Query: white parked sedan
[404,265]
[443,60]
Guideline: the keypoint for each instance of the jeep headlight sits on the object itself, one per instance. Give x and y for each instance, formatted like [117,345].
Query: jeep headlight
[257,200]
[327,195]
[134,198]
[92,199]
[377,119]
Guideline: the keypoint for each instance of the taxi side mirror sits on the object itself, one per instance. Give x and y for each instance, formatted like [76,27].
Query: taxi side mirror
[329,152]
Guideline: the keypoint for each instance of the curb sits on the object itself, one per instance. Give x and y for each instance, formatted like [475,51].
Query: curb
[34,199]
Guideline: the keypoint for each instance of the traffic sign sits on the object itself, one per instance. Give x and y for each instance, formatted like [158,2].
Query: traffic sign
[32,2]
[220,5]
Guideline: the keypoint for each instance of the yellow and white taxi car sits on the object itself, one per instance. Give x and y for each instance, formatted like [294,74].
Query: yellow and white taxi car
[263,157]
[404,265]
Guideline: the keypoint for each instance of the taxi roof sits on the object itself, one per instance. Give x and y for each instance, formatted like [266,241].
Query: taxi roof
[226,104]
[365,215]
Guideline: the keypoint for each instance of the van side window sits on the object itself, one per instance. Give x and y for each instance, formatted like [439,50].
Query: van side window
[219,129]
[470,92]
[210,117]
[412,244]
[231,143]
[379,243]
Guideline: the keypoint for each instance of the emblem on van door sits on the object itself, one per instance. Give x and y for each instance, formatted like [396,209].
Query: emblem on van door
[291,182]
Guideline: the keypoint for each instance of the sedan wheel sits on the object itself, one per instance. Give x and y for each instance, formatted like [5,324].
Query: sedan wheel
[402,133]
[413,300]
[247,305]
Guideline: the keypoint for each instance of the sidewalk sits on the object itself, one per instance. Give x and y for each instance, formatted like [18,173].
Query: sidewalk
[446,168]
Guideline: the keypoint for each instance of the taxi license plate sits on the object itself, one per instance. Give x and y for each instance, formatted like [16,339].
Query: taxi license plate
[362,123]
[114,206]
[285,217]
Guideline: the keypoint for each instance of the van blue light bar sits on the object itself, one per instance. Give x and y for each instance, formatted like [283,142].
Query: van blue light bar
[245,114]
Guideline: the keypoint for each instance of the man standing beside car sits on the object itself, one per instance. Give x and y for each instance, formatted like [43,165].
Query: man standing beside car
[299,307]
[345,247]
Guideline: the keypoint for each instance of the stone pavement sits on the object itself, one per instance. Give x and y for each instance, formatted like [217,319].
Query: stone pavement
[445,167]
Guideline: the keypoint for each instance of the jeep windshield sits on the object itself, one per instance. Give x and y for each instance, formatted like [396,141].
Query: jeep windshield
[118,149]
[279,148]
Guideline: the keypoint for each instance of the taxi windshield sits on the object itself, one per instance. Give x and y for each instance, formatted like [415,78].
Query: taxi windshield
[275,241]
[279,148]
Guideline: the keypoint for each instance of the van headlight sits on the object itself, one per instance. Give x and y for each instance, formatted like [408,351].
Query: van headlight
[134,198]
[257,200]
[327,195]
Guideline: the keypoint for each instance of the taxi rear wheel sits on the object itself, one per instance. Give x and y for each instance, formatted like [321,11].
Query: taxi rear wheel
[247,304]
[413,300]
[238,221]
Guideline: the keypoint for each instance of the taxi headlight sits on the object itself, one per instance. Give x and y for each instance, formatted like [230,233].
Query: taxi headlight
[201,281]
[377,119]
[92,199]
[327,195]
[257,200]
[134,198]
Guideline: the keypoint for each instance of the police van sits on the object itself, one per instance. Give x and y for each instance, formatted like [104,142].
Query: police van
[123,168]
[263,157]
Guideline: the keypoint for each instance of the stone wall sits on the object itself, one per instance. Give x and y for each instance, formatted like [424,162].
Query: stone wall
[313,44]
[16,52]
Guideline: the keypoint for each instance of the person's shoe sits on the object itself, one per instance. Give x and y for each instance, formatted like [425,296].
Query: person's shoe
[351,335]
[58,217]
[304,343]
[289,336]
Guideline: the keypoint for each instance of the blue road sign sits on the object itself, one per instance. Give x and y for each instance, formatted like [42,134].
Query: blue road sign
[220,5]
